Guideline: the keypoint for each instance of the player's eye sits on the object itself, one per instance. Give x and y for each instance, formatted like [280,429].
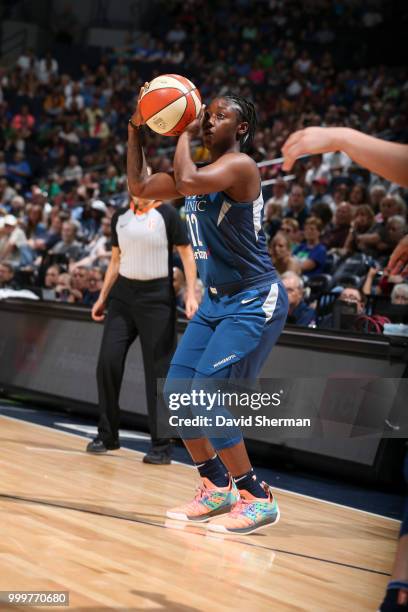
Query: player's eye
[220,116]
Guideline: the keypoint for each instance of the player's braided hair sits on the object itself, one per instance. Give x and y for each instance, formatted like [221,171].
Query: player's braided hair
[247,113]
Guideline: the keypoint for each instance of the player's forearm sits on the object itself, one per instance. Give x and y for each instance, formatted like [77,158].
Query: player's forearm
[136,163]
[388,159]
[189,265]
[185,170]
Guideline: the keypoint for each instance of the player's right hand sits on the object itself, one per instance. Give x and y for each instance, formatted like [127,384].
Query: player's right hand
[137,118]
[310,141]
[98,310]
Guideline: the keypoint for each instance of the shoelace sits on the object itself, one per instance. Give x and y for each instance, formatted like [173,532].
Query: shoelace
[239,506]
[200,492]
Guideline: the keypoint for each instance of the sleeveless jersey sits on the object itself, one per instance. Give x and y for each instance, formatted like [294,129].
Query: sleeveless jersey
[227,238]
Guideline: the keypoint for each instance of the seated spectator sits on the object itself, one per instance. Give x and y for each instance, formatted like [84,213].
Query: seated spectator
[94,285]
[54,104]
[19,171]
[363,223]
[7,192]
[69,135]
[99,129]
[73,171]
[51,236]
[23,121]
[7,280]
[47,68]
[399,295]
[279,195]
[34,226]
[322,211]
[296,206]
[311,252]
[349,295]
[389,206]
[377,194]
[99,249]
[395,229]
[272,219]
[318,169]
[299,312]
[290,227]
[282,258]
[335,235]
[52,274]
[63,290]
[319,194]
[359,195]
[68,245]
[13,244]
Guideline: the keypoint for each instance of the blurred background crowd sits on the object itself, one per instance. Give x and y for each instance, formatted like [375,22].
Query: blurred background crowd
[331,225]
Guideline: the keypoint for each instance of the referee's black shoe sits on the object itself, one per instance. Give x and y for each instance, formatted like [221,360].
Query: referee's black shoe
[158,456]
[99,446]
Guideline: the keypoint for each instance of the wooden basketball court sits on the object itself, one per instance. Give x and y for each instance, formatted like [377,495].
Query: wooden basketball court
[95,526]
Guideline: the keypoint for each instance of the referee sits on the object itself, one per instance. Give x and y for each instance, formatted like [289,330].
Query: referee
[139,284]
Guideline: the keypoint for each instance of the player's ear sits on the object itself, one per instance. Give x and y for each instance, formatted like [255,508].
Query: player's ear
[242,129]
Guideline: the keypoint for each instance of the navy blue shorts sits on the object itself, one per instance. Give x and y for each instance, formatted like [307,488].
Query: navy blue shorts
[229,337]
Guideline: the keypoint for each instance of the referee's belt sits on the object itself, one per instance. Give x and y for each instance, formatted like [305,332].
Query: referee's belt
[242,285]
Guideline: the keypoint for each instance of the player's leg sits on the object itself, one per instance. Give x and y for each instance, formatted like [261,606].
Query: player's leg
[217,493]
[258,508]
[118,334]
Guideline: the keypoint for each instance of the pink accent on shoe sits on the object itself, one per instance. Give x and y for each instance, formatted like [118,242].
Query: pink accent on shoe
[208,502]
[249,514]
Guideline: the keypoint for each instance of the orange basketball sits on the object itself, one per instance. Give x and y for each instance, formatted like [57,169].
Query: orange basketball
[169,103]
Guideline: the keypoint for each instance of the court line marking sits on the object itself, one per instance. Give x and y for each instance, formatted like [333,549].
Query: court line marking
[131,450]
[40,502]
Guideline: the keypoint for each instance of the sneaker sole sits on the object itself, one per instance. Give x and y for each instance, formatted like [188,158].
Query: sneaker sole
[244,531]
[178,516]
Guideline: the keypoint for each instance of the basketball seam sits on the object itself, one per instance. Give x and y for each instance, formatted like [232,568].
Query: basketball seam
[172,102]
[184,112]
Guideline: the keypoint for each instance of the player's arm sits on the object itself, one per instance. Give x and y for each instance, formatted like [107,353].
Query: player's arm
[158,186]
[231,171]
[388,159]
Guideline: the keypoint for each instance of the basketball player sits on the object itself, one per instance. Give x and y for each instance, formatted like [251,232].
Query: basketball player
[244,308]
[390,160]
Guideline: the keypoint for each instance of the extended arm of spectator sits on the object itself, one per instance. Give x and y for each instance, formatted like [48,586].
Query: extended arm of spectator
[388,159]
[368,283]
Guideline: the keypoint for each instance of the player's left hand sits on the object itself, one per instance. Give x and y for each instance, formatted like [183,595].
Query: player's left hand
[194,128]
[191,305]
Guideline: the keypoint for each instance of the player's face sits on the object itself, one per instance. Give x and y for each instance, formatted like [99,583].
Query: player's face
[220,124]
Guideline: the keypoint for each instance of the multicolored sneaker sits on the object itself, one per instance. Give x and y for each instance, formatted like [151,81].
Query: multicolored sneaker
[250,514]
[209,501]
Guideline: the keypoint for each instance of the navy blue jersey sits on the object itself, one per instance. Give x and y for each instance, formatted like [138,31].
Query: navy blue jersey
[227,238]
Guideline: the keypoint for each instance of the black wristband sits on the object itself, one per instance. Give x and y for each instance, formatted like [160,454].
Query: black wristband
[134,126]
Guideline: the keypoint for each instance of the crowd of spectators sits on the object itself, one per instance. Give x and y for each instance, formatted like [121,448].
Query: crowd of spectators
[330,224]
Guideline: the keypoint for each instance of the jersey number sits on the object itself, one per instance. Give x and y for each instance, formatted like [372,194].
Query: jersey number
[195,235]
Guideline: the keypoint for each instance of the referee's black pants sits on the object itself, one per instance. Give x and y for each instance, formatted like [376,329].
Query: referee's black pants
[136,308]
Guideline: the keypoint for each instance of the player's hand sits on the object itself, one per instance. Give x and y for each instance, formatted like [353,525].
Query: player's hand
[194,128]
[191,304]
[137,118]
[98,310]
[310,141]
